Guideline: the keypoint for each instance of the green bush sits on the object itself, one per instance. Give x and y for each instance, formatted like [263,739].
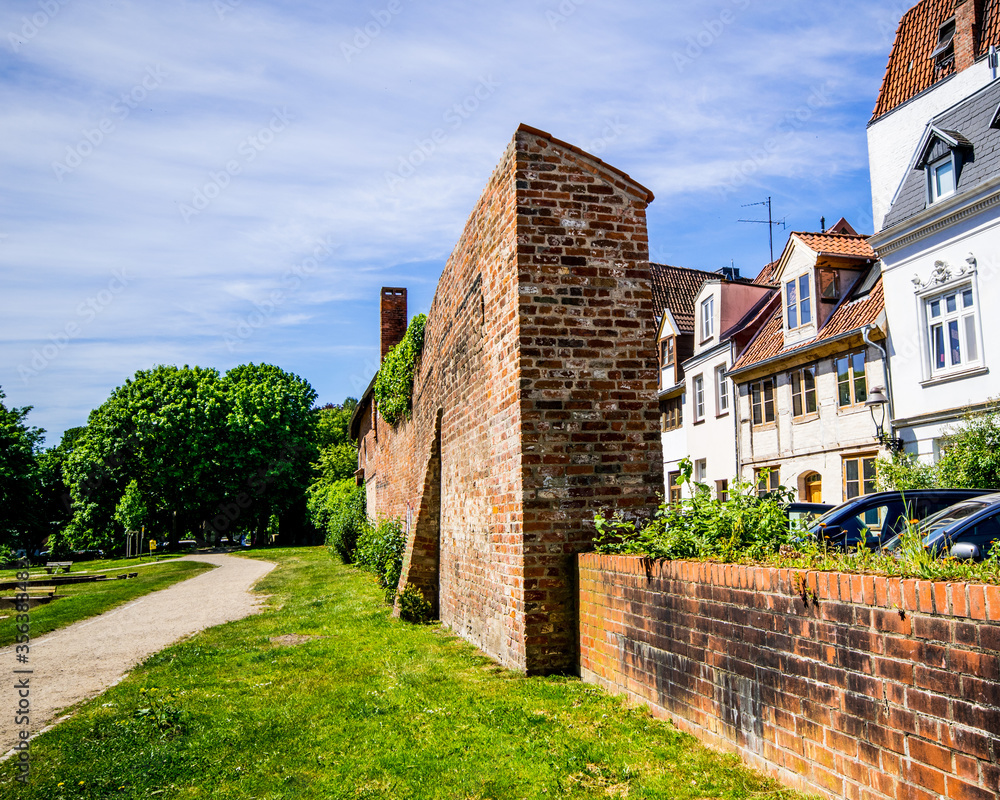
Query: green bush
[970,458]
[338,509]
[394,382]
[743,526]
[412,606]
[380,550]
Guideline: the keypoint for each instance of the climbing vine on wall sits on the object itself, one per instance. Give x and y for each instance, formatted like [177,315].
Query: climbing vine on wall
[394,384]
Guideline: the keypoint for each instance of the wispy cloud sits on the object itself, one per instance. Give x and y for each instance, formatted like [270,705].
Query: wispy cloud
[202,80]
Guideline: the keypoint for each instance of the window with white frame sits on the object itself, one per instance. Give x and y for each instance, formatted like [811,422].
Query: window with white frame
[721,391]
[707,318]
[667,374]
[952,330]
[941,178]
[698,386]
[798,301]
[700,470]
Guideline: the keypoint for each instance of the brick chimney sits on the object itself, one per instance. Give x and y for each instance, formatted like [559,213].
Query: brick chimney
[968,24]
[393,310]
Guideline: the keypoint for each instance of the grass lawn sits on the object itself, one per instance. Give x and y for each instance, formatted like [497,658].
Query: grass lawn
[368,707]
[97,565]
[84,600]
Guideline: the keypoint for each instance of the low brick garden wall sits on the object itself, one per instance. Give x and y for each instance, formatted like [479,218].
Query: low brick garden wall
[842,685]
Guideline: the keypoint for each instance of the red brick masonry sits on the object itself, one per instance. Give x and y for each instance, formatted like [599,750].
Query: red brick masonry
[843,685]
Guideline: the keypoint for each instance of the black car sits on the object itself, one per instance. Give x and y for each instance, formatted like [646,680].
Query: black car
[873,519]
[803,514]
[968,529]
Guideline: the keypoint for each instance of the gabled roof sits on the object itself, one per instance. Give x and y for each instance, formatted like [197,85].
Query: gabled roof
[857,311]
[837,245]
[911,68]
[969,125]
[676,288]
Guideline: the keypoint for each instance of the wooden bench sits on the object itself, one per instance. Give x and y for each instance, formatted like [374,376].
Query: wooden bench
[57,566]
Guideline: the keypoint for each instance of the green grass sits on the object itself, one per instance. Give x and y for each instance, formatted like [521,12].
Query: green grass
[83,600]
[98,565]
[368,708]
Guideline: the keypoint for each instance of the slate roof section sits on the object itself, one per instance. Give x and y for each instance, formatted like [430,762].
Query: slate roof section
[972,119]
[676,288]
[852,315]
[911,70]
[838,245]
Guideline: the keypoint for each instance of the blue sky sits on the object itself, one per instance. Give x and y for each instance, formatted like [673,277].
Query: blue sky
[216,182]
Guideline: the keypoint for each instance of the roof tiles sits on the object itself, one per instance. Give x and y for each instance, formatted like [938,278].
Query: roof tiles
[911,69]
[837,244]
[676,288]
[850,316]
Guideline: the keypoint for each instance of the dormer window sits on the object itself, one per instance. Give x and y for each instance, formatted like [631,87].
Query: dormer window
[667,376]
[707,318]
[944,53]
[798,302]
[941,178]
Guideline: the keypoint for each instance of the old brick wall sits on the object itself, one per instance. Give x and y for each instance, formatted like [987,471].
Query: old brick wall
[843,685]
[534,404]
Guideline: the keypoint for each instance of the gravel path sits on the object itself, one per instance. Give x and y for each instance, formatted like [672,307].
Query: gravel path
[82,660]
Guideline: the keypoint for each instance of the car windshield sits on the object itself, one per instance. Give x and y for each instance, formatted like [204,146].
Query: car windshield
[942,519]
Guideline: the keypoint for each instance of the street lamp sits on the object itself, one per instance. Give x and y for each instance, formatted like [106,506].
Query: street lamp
[877,399]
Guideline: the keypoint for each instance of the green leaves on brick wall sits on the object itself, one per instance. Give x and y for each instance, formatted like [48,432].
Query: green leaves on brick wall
[394,384]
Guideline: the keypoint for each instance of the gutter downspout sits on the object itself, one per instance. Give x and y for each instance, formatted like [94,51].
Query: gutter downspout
[885,371]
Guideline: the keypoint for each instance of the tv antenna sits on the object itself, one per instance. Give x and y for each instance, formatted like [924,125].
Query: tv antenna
[769,222]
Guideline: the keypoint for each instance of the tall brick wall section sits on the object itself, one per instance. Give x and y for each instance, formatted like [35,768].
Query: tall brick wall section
[534,403]
[844,685]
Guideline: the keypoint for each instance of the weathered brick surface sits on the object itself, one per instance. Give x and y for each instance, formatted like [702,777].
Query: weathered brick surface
[846,686]
[534,403]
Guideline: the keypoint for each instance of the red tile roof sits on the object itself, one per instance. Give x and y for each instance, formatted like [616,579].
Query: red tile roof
[851,316]
[837,244]
[676,288]
[911,69]
[766,276]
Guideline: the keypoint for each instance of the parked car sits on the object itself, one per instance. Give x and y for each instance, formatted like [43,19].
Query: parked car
[802,515]
[967,530]
[875,518]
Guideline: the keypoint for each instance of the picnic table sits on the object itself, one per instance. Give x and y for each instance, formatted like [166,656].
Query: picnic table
[57,566]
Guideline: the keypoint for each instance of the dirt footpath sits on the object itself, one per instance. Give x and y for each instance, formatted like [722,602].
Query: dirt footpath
[84,659]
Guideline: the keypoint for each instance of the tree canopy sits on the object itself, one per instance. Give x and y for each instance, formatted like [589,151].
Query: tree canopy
[185,449]
[21,522]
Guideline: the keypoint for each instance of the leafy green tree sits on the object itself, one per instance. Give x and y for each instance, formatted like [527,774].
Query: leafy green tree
[970,458]
[271,445]
[333,423]
[21,525]
[164,429]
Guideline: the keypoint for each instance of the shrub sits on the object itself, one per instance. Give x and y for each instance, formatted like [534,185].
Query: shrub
[971,458]
[743,526]
[380,550]
[394,382]
[413,607]
[338,509]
